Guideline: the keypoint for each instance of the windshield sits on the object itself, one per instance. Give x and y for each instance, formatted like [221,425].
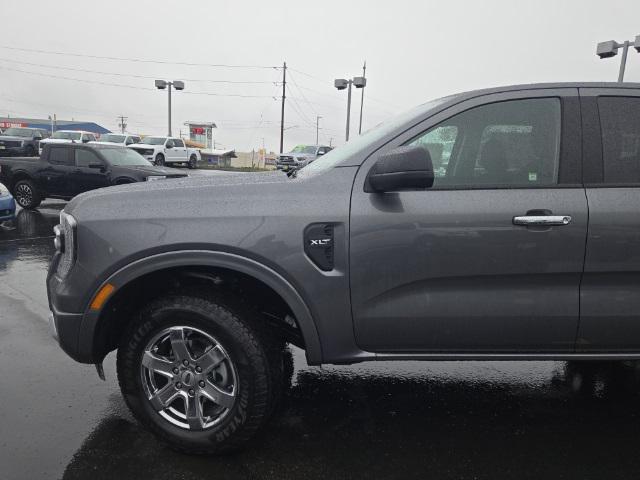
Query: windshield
[110,137]
[18,132]
[124,157]
[339,154]
[154,140]
[310,149]
[66,136]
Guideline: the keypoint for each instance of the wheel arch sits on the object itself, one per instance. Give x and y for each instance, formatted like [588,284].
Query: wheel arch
[196,264]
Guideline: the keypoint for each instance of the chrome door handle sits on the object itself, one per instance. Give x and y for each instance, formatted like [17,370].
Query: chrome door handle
[544,220]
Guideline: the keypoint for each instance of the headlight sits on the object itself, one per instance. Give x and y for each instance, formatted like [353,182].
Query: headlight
[152,178]
[65,243]
[301,159]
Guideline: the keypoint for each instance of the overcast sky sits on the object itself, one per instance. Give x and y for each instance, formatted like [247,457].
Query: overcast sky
[415,51]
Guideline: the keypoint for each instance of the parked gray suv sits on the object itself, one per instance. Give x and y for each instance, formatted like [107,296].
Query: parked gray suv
[498,224]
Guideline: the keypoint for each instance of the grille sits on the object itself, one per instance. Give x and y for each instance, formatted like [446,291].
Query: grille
[144,151]
[4,213]
[11,143]
[286,160]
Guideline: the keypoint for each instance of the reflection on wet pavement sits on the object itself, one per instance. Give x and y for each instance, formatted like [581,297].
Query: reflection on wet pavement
[376,420]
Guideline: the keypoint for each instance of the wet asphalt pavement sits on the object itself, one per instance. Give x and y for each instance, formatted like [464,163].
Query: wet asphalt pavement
[383,420]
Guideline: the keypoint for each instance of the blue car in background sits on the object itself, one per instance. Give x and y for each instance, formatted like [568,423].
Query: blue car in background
[7,205]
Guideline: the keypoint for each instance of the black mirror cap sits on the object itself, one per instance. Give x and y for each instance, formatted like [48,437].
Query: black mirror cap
[403,168]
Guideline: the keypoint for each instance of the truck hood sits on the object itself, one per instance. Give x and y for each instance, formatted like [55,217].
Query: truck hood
[145,145]
[153,170]
[58,140]
[12,138]
[296,155]
[179,197]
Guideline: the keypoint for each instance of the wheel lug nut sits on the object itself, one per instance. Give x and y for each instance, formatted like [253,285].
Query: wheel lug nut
[185,363]
[191,392]
[176,371]
[178,385]
[199,369]
[201,383]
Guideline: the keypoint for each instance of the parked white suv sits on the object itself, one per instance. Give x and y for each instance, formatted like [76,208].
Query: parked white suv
[167,150]
[118,139]
[68,136]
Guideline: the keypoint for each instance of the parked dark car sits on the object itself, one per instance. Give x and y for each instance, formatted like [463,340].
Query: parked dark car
[19,141]
[499,224]
[66,170]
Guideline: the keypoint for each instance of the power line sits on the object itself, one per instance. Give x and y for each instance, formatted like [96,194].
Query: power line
[303,95]
[136,60]
[121,85]
[299,111]
[130,75]
[328,83]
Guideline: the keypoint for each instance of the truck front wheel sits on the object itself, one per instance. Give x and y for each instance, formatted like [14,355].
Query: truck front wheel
[193,162]
[160,160]
[199,372]
[26,194]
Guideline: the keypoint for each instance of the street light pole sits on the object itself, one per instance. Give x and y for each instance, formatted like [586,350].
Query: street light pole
[610,49]
[169,129]
[161,85]
[341,84]
[623,60]
[318,117]
[348,108]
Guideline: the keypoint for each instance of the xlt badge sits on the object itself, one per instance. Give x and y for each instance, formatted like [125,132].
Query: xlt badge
[318,245]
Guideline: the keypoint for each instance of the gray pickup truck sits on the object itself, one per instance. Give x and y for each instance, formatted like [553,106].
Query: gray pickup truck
[498,224]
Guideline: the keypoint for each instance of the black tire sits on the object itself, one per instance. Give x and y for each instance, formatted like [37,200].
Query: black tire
[250,349]
[193,162]
[160,160]
[31,151]
[27,194]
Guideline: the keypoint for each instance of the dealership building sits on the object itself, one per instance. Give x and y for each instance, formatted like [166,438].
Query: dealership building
[48,124]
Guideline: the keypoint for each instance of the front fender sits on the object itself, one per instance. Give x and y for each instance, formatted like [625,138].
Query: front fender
[185,258]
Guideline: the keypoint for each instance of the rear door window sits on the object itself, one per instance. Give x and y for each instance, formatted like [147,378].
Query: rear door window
[620,123]
[60,156]
[84,158]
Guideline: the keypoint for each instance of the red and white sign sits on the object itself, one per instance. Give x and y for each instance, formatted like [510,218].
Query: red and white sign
[12,124]
[197,131]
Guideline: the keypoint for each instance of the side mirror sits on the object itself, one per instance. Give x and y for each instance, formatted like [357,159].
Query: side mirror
[403,168]
[321,152]
[170,145]
[85,140]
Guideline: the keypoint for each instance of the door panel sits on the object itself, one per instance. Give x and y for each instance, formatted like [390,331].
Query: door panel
[85,178]
[610,292]
[446,269]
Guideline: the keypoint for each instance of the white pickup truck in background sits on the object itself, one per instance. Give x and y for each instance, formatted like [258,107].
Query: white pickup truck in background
[167,150]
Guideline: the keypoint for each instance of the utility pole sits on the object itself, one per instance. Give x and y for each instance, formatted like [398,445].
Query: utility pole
[284,84]
[364,75]
[123,123]
[318,117]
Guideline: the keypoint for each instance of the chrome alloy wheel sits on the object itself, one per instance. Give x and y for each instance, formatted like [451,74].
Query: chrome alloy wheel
[188,378]
[24,195]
